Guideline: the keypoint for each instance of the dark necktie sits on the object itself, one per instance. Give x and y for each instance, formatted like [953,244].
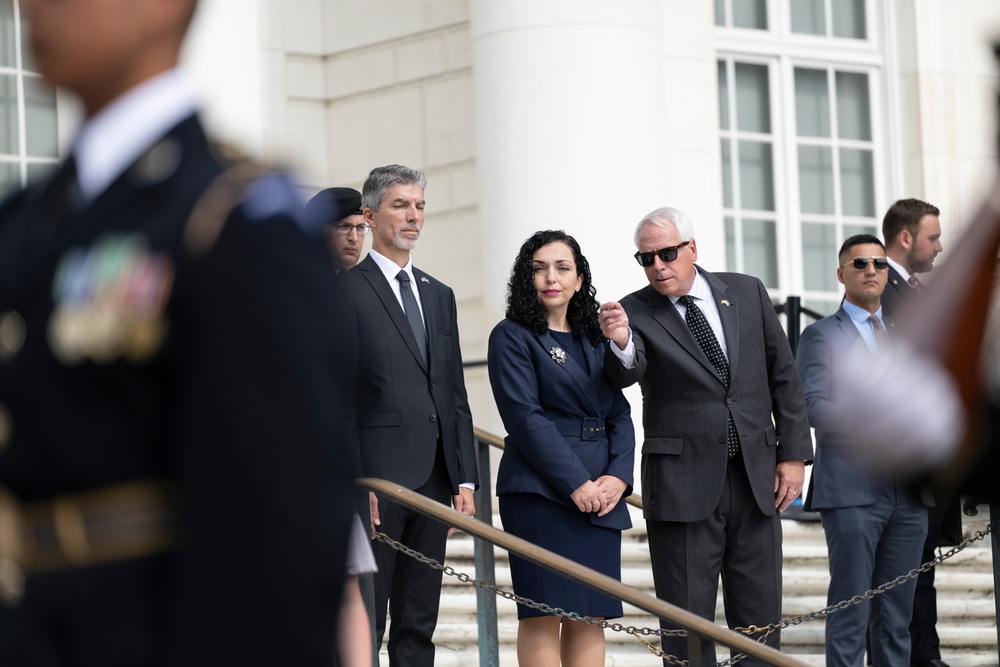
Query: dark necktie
[881,335]
[915,284]
[412,313]
[710,346]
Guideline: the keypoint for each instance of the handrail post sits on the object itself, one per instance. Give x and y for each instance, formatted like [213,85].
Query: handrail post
[486,602]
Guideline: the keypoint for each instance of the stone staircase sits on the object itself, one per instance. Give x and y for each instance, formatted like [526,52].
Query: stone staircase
[967,618]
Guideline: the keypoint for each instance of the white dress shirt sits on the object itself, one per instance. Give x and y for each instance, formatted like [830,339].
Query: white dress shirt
[903,273]
[865,327]
[390,269]
[109,142]
[702,293]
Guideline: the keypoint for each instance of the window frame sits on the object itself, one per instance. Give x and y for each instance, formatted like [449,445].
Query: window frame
[21,158]
[784,51]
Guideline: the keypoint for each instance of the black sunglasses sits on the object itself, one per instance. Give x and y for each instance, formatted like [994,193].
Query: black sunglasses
[666,254]
[861,263]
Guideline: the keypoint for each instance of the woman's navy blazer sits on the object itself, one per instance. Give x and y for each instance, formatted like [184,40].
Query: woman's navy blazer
[565,424]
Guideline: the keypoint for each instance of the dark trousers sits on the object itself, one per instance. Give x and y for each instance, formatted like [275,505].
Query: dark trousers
[871,545]
[944,526]
[410,589]
[736,541]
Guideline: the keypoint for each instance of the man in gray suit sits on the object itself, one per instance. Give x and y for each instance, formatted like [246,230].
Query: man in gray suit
[875,526]
[414,423]
[726,434]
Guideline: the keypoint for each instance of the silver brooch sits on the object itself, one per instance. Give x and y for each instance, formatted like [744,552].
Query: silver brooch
[558,354]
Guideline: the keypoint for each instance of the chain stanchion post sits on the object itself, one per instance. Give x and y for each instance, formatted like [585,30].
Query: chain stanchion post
[793,315]
[486,603]
[995,529]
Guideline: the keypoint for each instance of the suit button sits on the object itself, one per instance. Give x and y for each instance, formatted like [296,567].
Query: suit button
[433,385]
[722,440]
[434,418]
[6,427]
[729,401]
[11,334]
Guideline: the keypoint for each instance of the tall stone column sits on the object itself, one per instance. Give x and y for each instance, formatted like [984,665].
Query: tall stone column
[569,111]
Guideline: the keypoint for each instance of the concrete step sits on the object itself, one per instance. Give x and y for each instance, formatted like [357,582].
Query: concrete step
[967,617]
[618,657]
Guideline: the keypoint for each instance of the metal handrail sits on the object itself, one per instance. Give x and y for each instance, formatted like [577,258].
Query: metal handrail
[699,629]
[496,441]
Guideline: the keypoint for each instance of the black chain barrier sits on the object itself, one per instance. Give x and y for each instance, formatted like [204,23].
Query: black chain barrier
[764,630]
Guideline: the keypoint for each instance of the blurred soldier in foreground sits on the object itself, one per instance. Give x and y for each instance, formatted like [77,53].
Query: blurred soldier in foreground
[169,453]
[339,209]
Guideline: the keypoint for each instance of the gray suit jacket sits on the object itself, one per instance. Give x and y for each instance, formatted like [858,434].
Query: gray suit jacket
[837,479]
[686,407]
[404,406]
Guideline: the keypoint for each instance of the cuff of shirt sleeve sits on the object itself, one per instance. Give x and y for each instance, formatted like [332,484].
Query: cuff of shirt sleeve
[626,356]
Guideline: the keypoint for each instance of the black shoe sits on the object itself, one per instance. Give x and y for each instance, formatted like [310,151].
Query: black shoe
[936,662]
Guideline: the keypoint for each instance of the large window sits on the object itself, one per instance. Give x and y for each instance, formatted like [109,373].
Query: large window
[28,137]
[802,149]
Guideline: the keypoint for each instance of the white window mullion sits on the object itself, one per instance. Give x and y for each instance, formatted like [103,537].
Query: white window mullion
[793,219]
[22,130]
[838,210]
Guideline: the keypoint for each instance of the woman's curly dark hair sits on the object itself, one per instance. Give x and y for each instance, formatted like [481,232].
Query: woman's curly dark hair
[522,297]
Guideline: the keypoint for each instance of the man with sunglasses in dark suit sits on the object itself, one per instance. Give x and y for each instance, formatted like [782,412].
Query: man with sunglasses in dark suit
[725,427]
[874,524]
[912,232]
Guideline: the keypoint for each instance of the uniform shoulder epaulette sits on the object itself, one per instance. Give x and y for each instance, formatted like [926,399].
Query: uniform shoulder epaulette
[260,192]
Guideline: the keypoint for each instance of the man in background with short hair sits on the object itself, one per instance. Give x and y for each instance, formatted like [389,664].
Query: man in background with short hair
[912,232]
[339,209]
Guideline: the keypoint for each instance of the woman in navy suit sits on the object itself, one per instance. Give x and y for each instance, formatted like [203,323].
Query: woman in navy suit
[570,447]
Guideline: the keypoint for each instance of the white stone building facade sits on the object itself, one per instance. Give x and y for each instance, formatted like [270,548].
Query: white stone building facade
[780,126]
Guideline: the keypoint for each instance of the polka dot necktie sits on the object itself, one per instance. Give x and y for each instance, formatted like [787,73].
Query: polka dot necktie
[710,346]
[915,284]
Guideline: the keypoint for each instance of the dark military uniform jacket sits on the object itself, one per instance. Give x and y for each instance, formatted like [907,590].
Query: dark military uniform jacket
[141,342]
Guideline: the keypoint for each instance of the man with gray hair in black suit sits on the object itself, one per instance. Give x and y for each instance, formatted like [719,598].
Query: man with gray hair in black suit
[414,422]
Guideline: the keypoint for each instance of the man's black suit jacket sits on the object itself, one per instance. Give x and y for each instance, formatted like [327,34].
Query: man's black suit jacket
[895,294]
[405,406]
[686,406]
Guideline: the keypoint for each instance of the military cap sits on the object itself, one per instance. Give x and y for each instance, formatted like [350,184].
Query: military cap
[334,204]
